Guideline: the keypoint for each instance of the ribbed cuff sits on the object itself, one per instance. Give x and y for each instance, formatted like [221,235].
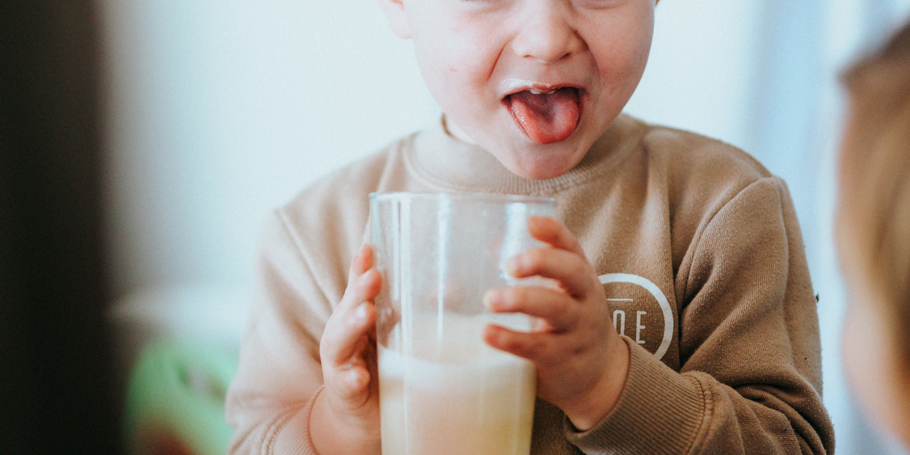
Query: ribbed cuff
[292,436]
[659,411]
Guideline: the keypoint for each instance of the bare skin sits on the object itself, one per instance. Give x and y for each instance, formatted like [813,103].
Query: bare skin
[581,361]
[345,416]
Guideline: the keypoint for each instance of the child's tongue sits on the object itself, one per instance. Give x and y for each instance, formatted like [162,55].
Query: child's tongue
[546,117]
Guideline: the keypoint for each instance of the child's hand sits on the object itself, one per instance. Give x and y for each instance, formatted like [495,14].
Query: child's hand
[345,415]
[581,360]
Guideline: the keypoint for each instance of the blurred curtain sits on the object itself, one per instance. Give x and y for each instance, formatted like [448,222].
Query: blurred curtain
[55,391]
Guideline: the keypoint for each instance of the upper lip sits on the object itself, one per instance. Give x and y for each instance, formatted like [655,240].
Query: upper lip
[513,86]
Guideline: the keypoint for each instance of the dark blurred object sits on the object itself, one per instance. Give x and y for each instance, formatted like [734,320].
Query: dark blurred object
[55,383]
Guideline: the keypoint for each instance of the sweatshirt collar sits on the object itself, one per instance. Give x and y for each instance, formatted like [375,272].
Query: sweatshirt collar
[455,165]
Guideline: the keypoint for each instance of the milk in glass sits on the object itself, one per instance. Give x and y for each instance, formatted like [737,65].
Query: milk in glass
[444,391]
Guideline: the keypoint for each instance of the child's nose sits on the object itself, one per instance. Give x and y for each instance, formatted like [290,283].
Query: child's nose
[546,34]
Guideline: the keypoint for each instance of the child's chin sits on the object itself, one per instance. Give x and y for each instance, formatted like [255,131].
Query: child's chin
[539,163]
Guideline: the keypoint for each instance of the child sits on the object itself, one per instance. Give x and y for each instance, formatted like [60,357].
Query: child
[686,321]
[873,227]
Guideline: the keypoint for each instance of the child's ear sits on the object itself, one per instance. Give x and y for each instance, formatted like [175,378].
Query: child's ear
[398,19]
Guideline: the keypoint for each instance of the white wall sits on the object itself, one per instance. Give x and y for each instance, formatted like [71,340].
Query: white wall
[219,111]
[222,110]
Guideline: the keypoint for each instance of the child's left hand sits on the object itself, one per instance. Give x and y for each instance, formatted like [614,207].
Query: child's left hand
[581,361]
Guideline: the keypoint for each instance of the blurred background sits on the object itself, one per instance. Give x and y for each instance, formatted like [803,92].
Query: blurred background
[143,143]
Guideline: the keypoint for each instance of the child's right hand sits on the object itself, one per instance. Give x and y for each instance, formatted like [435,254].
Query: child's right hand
[345,416]
[581,361]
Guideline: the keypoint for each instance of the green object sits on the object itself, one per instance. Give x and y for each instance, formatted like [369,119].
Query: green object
[175,400]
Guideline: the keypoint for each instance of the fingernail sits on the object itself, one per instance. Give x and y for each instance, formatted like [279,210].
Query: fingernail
[491,299]
[489,333]
[512,266]
[364,253]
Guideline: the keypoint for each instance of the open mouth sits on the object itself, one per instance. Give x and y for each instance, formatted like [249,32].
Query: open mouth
[546,114]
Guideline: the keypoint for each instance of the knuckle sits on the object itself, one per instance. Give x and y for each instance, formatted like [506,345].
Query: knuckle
[530,261]
[562,311]
[535,348]
[512,297]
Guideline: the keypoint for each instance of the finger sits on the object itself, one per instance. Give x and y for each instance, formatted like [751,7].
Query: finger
[346,335]
[362,261]
[364,282]
[348,355]
[554,233]
[351,381]
[367,286]
[534,346]
[356,380]
[571,270]
[552,305]
[353,319]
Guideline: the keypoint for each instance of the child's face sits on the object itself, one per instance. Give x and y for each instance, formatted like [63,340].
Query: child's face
[535,82]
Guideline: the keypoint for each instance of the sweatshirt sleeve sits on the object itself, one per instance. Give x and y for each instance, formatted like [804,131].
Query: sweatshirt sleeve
[750,371]
[269,400]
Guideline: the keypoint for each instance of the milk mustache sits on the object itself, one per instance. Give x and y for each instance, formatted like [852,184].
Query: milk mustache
[446,392]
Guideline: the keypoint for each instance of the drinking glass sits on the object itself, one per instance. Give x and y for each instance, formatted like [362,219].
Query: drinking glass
[442,389]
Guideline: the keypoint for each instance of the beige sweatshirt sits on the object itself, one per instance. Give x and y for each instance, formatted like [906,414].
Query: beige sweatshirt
[701,258]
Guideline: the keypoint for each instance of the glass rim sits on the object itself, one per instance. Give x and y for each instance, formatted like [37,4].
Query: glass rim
[379,196]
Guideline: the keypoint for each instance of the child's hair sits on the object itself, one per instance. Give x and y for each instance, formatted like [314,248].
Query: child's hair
[874,213]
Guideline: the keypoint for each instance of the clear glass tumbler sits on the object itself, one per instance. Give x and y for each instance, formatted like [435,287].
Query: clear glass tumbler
[442,389]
